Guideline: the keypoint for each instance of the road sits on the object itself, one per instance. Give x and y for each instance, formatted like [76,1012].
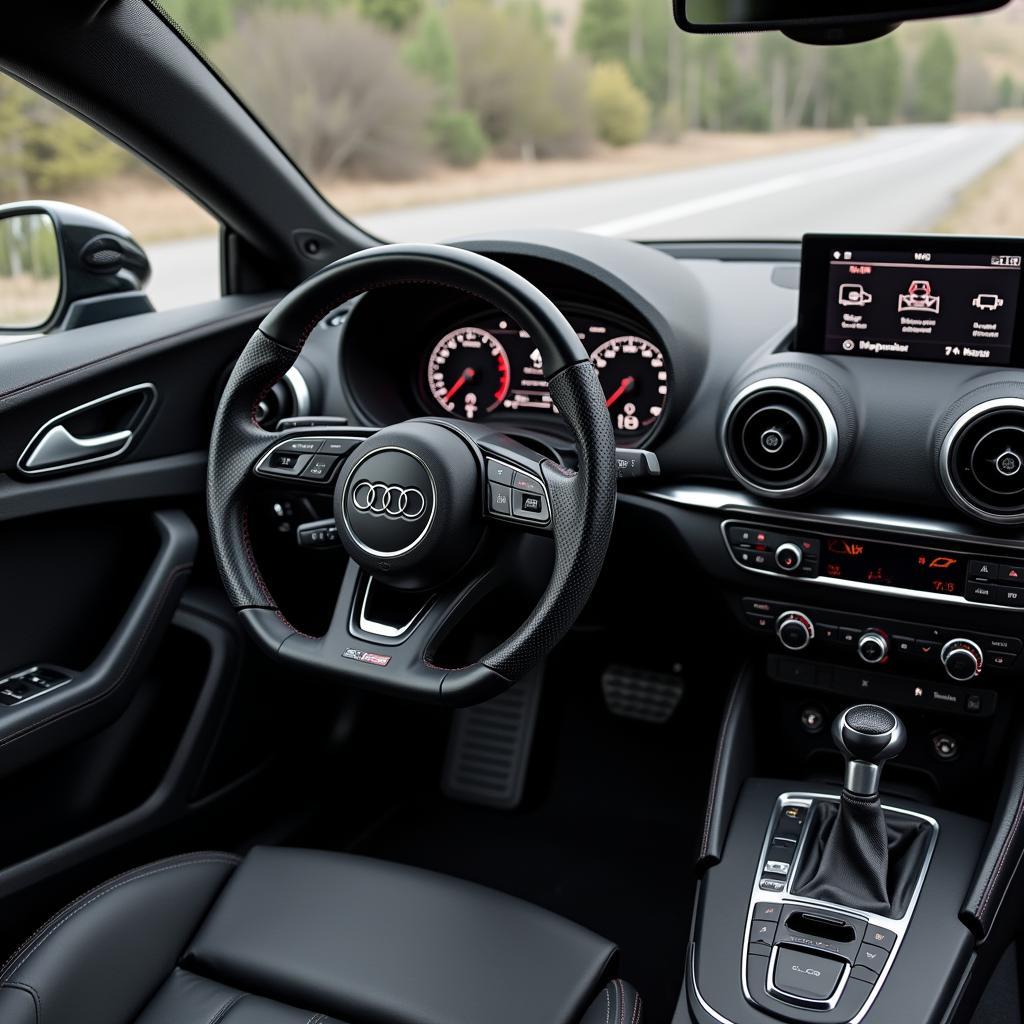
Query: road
[896,179]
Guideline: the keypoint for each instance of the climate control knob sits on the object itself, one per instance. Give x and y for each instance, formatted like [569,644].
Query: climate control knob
[794,630]
[873,647]
[788,557]
[962,659]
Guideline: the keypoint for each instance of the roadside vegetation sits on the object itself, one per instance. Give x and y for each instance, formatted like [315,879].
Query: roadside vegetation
[395,101]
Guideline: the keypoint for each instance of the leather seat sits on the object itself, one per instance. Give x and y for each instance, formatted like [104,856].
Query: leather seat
[305,937]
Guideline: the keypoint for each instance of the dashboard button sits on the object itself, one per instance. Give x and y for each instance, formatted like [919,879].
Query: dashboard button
[977,570]
[759,621]
[903,644]
[806,975]
[927,648]
[826,631]
[499,472]
[767,911]
[847,635]
[748,536]
[872,957]
[501,499]
[1000,660]
[982,592]
[1001,644]
[522,482]
[880,937]
[763,932]
[753,604]
[320,467]
[1012,574]
[1011,596]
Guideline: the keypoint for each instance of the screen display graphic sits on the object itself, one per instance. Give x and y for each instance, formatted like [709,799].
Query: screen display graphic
[892,565]
[952,300]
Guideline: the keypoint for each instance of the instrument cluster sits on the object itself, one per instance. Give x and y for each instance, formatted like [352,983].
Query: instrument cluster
[489,366]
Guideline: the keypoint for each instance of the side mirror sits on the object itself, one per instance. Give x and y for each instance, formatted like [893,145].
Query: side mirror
[62,266]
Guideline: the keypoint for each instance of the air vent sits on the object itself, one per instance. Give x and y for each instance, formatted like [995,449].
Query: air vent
[288,397]
[982,461]
[780,437]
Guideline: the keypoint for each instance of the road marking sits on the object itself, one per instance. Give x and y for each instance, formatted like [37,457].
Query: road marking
[783,183]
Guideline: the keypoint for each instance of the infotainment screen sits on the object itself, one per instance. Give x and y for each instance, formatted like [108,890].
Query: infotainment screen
[941,299]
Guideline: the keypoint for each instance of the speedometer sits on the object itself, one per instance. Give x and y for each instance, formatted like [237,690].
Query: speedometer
[468,373]
[635,380]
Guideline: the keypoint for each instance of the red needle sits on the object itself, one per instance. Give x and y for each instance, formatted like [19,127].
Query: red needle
[467,374]
[627,383]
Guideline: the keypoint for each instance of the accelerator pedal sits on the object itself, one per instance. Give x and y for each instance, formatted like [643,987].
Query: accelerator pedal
[489,747]
[641,695]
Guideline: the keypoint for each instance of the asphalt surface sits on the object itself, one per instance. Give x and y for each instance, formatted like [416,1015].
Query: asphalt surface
[897,179]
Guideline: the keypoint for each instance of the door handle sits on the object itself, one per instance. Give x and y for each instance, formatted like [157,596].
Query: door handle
[59,447]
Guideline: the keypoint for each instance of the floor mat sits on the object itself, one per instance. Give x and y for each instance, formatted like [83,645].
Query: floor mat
[609,843]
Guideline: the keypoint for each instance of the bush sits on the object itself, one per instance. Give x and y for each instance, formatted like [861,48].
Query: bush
[333,90]
[622,114]
[458,137]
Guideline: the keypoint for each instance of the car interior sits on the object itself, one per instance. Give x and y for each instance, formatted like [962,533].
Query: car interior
[535,625]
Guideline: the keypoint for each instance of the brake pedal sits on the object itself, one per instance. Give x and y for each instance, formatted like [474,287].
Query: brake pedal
[641,695]
[489,747]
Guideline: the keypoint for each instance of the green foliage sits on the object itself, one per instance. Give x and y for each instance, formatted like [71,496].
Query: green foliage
[203,21]
[863,83]
[431,53]
[458,137]
[1007,92]
[622,114]
[603,30]
[394,15]
[934,80]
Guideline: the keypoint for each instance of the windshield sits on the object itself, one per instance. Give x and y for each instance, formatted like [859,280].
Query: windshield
[426,120]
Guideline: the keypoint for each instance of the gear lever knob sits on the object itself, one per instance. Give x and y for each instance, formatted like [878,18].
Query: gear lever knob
[867,736]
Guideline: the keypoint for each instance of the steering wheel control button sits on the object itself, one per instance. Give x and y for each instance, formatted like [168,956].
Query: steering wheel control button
[320,534]
[500,499]
[338,445]
[806,975]
[529,506]
[788,557]
[522,482]
[310,445]
[320,467]
[389,502]
[794,630]
[285,463]
[499,472]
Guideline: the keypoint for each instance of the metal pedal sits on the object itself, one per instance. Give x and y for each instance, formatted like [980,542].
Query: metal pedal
[489,747]
[641,695]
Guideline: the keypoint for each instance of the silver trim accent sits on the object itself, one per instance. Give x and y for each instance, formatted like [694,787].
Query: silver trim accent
[40,437]
[799,557]
[811,1004]
[898,926]
[430,518]
[957,496]
[862,778]
[371,626]
[793,615]
[42,693]
[828,424]
[969,647]
[873,635]
[873,588]
[297,385]
[999,460]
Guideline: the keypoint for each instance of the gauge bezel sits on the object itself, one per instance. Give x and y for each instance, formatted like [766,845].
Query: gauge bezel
[492,340]
[640,434]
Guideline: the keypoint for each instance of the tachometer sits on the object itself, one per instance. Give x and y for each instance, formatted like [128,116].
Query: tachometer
[635,380]
[468,373]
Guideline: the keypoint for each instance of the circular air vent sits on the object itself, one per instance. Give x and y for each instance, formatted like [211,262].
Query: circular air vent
[982,461]
[780,437]
[288,397]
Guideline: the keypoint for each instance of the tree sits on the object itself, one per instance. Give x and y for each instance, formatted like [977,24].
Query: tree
[394,15]
[621,112]
[604,30]
[934,78]
[1007,92]
[204,22]
[334,91]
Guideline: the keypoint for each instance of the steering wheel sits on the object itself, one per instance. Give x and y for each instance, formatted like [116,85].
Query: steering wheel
[415,502]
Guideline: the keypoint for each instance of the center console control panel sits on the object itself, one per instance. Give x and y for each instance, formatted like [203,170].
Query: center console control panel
[805,959]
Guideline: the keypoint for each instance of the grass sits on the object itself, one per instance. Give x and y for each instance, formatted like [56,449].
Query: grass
[991,204]
[155,211]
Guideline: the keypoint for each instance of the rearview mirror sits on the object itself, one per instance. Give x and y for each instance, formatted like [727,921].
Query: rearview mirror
[30,271]
[811,20]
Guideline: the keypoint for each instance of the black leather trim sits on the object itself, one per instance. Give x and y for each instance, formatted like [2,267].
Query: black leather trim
[103,956]
[1004,849]
[617,1003]
[366,940]
[733,764]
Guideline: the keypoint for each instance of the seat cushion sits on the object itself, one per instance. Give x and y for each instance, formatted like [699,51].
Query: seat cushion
[304,937]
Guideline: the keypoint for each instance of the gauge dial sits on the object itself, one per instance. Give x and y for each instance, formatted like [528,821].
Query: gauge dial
[468,373]
[635,382]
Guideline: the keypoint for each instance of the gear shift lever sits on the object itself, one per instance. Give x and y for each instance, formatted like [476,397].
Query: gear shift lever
[867,736]
[855,855]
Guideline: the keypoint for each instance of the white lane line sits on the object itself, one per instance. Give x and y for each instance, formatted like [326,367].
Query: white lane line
[772,186]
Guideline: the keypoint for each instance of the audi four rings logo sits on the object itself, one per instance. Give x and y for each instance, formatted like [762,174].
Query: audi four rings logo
[389,500]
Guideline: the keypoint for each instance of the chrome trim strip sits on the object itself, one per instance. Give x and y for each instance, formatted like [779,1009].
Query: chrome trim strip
[947,444]
[296,384]
[873,588]
[382,629]
[828,423]
[23,459]
[41,693]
